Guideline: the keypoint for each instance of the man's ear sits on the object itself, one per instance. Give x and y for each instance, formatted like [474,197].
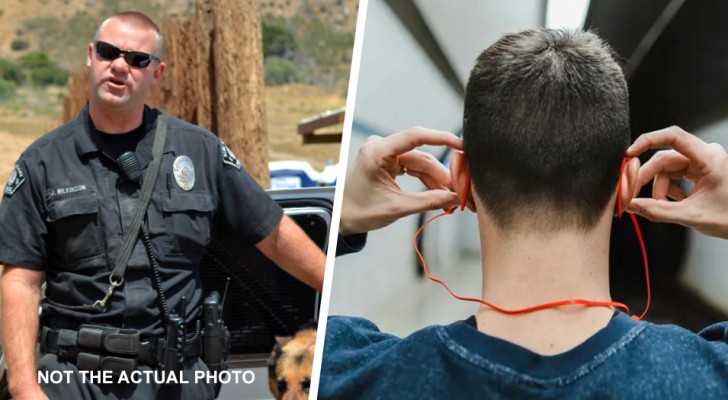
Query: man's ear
[460,175]
[628,180]
[158,72]
[89,54]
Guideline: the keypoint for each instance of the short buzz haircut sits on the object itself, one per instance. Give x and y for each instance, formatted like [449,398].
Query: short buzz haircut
[137,20]
[545,128]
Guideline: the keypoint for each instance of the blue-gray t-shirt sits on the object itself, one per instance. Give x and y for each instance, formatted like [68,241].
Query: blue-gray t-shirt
[625,360]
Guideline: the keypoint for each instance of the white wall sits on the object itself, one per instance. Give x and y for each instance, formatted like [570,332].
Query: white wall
[398,87]
[464,28]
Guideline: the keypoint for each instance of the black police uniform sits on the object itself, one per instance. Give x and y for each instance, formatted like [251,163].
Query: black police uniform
[68,205]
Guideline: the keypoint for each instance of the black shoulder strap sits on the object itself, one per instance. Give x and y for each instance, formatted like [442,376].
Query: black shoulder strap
[150,178]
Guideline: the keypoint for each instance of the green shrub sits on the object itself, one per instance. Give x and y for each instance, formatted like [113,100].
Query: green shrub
[7,89]
[277,40]
[36,59]
[43,71]
[19,44]
[51,75]
[10,72]
[323,54]
[279,71]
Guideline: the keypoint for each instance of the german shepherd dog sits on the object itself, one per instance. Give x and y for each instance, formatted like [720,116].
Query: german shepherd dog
[290,364]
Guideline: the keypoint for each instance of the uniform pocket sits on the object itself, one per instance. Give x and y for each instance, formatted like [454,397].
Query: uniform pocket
[74,226]
[187,218]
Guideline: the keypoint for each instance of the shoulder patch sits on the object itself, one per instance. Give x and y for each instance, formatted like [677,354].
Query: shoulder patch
[228,157]
[17,178]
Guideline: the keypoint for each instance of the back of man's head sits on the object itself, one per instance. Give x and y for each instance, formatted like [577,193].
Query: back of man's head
[546,124]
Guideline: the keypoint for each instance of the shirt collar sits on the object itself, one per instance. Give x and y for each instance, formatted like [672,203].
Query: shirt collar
[85,143]
[82,135]
[484,350]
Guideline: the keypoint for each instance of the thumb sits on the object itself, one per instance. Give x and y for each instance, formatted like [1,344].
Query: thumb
[659,210]
[428,200]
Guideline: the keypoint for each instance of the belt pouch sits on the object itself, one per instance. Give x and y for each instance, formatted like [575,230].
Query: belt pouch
[95,362]
[112,340]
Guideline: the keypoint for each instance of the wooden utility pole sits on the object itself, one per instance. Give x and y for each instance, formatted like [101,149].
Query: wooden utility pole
[237,80]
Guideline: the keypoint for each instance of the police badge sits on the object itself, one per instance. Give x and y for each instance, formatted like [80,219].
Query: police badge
[184,172]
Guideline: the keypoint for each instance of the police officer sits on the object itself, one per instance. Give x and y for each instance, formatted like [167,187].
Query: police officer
[68,206]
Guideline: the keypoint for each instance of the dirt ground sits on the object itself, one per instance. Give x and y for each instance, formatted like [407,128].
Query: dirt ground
[288,104]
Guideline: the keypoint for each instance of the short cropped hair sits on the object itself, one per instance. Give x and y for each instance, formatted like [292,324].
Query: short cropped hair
[137,20]
[545,128]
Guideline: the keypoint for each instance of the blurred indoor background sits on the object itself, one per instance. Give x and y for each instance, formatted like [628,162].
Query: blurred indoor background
[415,61]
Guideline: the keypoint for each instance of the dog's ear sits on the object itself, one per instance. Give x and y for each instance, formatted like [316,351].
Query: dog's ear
[283,340]
[275,355]
[311,324]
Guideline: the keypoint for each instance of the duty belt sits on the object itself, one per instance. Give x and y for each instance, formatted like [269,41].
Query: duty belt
[103,348]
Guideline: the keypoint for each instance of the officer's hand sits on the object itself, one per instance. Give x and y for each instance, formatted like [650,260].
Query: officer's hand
[372,198]
[705,207]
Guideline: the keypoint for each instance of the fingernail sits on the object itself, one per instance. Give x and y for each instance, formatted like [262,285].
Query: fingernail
[634,210]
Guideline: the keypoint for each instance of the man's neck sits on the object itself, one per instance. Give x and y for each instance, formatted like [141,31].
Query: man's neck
[532,268]
[117,120]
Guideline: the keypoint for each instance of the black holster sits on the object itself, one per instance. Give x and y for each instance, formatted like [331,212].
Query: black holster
[215,337]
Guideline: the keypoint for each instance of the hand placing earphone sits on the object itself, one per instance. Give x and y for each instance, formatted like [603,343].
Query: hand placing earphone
[705,207]
[372,198]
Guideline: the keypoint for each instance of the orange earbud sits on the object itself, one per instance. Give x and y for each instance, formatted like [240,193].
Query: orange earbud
[619,208]
[466,193]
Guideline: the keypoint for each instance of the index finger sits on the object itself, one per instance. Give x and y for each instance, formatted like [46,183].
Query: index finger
[409,139]
[672,137]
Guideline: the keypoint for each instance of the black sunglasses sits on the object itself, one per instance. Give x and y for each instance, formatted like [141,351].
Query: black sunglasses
[136,59]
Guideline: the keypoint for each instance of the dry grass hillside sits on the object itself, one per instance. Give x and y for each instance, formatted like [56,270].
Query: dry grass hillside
[62,28]
[341,14]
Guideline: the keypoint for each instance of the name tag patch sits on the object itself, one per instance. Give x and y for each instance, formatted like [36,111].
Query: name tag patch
[52,193]
[228,157]
[17,178]
[69,190]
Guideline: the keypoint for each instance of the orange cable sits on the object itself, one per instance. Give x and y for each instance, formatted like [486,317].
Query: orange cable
[561,303]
